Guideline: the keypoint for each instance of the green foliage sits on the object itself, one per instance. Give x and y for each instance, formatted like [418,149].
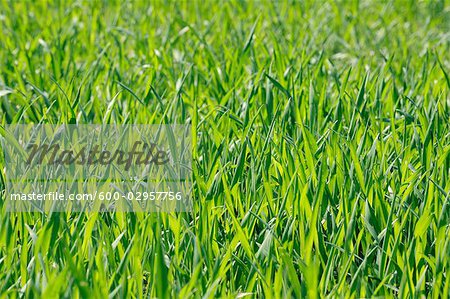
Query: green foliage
[321,151]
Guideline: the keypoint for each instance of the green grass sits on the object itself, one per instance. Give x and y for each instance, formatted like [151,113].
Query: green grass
[321,135]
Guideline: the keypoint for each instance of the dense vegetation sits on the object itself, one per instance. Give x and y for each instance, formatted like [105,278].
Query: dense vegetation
[321,135]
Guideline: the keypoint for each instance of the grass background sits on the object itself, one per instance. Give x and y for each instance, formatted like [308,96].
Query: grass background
[321,146]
